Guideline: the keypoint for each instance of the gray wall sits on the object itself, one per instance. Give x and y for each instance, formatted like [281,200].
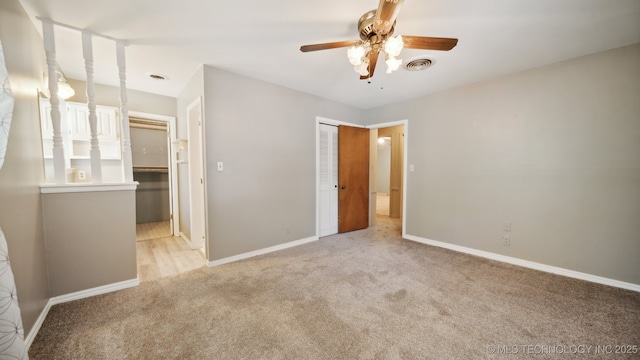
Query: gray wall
[265,135]
[20,177]
[91,239]
[136,100]
[554,150]
[193,90]
[152,197]
[149,148]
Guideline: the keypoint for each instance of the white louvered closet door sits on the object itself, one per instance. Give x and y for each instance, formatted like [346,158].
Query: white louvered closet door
[328,179]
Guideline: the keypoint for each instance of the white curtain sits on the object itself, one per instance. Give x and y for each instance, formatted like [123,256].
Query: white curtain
[12,344]
[6,106]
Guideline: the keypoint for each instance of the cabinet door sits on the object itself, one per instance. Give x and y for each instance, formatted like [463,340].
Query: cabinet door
[108,128]
[79,121]
[45,119]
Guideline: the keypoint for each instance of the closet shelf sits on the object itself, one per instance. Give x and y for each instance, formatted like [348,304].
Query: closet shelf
[158,169]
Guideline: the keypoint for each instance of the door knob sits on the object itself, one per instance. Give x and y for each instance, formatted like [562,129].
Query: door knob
[343,187]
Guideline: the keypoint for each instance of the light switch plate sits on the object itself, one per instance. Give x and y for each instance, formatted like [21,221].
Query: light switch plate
[220,166]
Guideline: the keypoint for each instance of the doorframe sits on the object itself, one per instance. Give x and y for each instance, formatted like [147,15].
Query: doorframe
[173,172]
[405,123]
[327,121]
[199,102]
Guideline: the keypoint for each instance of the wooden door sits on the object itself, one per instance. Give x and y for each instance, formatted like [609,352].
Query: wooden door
[353,178]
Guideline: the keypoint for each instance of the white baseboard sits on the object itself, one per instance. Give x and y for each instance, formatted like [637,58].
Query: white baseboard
[262,251]
[37,325]
[95,291]
[527,263]
[75,296]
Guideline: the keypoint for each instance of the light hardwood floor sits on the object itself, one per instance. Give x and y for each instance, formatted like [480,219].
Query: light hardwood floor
[382,212]
[153,230]
[382,204]
[159,254]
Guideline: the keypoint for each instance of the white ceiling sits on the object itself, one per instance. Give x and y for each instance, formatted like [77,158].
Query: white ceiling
[261,39]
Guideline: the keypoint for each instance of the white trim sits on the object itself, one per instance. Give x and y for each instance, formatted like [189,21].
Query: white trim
[75,296]
[75,188]
[203,149]
[185,238]
[28,340]
[199,168]
[527,264]
[262,251]
[405,167]
[95,291]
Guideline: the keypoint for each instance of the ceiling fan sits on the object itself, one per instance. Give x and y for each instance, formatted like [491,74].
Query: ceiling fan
[376,30]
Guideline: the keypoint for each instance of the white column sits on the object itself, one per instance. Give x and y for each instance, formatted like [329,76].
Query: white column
[59,167]
[96,161]
[127,163]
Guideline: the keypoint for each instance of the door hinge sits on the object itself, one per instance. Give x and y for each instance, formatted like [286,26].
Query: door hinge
[201,181]
[171,217]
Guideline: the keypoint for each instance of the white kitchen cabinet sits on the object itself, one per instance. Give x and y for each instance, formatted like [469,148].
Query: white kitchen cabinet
[76,131]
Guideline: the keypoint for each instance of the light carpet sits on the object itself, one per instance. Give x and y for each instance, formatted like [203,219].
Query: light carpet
[362,295]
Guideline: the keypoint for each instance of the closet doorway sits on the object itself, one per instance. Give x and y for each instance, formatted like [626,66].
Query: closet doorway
[150,145]
[160,249]
[342,168]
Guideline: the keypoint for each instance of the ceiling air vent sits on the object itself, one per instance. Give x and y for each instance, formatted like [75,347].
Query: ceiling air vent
[156,76]
[418,64]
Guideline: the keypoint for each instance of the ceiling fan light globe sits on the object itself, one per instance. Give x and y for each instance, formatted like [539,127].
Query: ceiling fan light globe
[393,46]
[362,69]
[355,55]
[392,64]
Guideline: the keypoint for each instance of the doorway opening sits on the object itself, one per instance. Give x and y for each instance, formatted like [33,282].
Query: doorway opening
[159,249]
[389,175]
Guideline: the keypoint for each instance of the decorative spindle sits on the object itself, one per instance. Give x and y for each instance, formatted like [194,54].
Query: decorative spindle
[59,167]
[127,163]
[87,50]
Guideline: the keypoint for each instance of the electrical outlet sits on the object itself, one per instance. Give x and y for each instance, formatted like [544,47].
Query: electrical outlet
[507,226]
[82,175]
[506,240]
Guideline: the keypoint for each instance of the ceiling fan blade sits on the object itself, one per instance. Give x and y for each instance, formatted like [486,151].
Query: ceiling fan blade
[429,43]
[386,16]
[373,59]
[331,45]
